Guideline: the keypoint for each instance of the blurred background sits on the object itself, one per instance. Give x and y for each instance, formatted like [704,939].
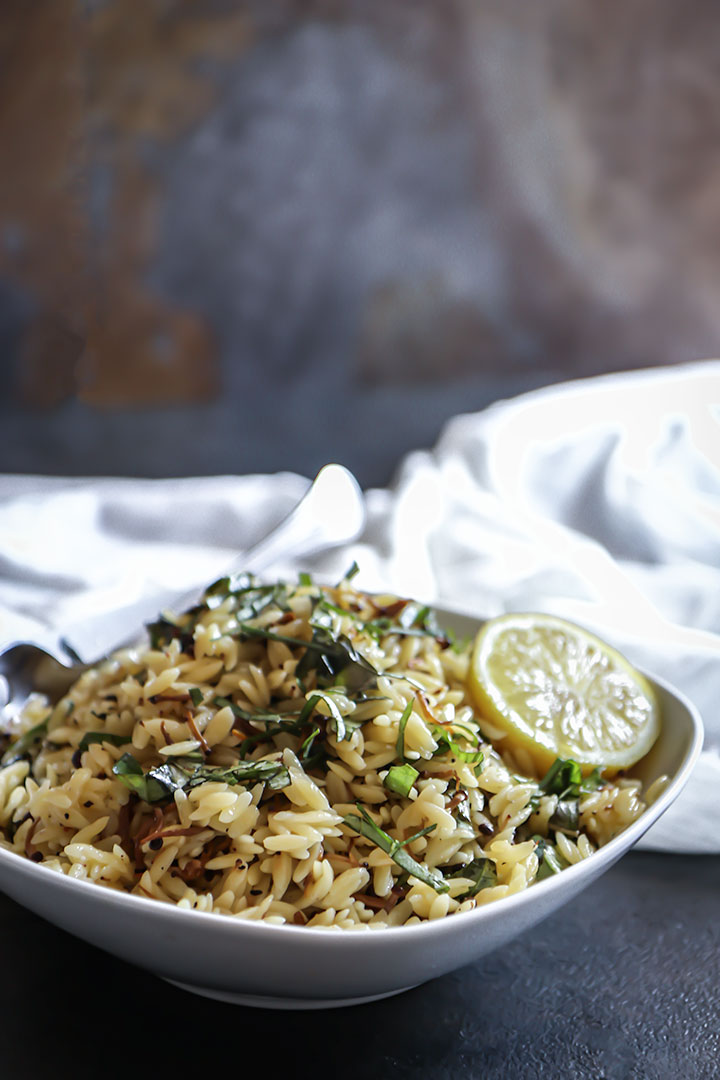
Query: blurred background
[255,236]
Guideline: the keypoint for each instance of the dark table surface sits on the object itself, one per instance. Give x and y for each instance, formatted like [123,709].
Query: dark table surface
[622,984]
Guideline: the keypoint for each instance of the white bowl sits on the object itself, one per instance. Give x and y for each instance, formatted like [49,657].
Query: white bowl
[295,967]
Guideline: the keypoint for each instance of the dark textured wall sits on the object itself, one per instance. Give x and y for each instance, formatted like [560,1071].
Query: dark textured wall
[251,236]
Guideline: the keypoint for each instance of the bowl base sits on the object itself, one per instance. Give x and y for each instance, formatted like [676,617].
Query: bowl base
[258,1001]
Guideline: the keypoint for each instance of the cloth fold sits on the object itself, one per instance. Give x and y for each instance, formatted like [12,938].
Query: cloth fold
[597,500]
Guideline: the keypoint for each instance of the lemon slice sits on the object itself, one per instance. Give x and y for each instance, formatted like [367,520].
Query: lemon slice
[556,690]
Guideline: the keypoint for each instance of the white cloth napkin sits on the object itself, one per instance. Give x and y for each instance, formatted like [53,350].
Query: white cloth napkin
[597,500]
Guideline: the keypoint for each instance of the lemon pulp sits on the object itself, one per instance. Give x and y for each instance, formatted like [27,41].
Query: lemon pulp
[556,690]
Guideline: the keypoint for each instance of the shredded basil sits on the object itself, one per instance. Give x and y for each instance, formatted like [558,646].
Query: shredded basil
[458,645]
[340,722]
[383,627]
[419,616]
[400,779]
[548,859]
[226,703]
[562,775]
[564,778]
[481,872]
[396,848]
[273,773]
[307,709]
[130,772]
[592,782]
[400,744]
[22,746]
[377,628]
[172,776]
[245,630]
[414,620]
[159,783]
[335,661]
[102,736]
[446,743]
[306,744]
[325,605]
[344,725]
[461,812]
[275,723]
[566,818]
[196,696]
[263,716]
[291,723]
[230,585]
[164,630]
[251,598]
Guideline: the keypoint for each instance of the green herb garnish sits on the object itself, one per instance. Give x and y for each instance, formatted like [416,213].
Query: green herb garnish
[481,872]
[196,696]
[22,746]
[102,736]
[351,573]
[400,779]
[564,777]
[592,782]
[566,818]
[336,715]
[263,716]
[275,723]
[158,784]
[396,849]
[165,629]
[561,777]
[251,597]
[446,743]
[326,605]
[335,660]
[230,585]
[400,744]
[548,859]
[414,620]
[130,772]
[306,745]
[272,773]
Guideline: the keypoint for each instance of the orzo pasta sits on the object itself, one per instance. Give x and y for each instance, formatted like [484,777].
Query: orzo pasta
[297,754]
